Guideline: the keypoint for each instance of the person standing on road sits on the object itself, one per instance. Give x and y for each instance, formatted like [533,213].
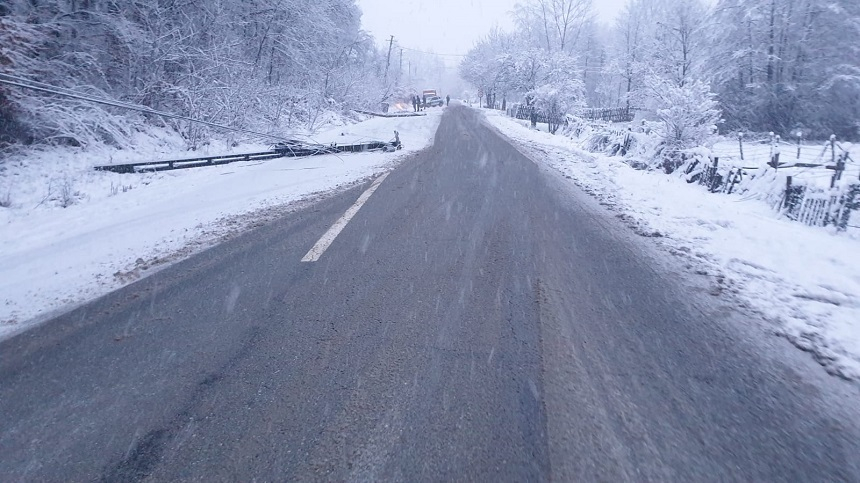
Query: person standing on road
[425,101]
[414,104]
[447,100]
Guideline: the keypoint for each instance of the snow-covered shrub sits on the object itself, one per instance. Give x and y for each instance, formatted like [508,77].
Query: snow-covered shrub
[559,90]
[68,195]
[576,127]
[556,99]
[687,114]
[607,142]
[619,140]
[116,188]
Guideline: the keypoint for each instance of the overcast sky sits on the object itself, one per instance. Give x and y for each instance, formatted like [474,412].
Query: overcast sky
[447,26]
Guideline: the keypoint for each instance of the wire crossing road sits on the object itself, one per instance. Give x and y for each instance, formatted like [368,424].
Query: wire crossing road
[474,318]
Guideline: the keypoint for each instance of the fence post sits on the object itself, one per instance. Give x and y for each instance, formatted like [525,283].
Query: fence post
[741,144]
[833,148]
[712,188]
[733,179]
[840,166]
[799,138]
[775,157]
[787,191]
[851,203]
[770,157]
[837,171]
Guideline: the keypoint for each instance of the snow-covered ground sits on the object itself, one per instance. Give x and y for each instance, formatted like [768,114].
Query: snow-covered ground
[119,226]
[803,280]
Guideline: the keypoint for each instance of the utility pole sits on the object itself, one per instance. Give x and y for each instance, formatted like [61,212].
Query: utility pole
[400,72]
[388,61]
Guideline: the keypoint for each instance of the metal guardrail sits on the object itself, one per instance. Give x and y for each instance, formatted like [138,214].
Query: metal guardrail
[391,114]
[292,149]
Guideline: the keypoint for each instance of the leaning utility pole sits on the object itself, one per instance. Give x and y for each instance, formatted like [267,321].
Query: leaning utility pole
[388,61]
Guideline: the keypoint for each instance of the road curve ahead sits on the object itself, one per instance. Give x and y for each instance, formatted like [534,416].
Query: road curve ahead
[475,319]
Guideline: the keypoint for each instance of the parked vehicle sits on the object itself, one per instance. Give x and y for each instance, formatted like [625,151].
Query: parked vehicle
[435,101]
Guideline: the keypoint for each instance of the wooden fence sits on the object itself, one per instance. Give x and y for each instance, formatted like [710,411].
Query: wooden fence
[617,114]
[531,113]
[805,203]
[820,206]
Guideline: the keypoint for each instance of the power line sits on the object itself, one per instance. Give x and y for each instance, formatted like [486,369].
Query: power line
[42,87]
[432,53]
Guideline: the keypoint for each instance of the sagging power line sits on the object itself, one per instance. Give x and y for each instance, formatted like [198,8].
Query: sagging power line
[432,53]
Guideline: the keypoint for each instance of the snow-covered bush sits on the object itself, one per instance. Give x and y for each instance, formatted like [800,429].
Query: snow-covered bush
[559,89]
[68,195]
[687,113]
[556,99]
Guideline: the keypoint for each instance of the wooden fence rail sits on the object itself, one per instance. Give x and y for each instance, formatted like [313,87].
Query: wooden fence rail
[617,114]
[807,204]
[531,113]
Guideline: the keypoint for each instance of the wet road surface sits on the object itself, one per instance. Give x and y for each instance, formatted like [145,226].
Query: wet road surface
[476,319]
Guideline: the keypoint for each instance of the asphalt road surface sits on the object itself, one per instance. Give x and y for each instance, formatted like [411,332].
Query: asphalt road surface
[477,319]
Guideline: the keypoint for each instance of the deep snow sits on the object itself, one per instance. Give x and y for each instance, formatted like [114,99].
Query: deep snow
[805,281]
[119,226]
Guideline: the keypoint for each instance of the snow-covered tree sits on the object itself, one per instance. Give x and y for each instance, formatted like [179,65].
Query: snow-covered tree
[489,66]
[553,25]
[262,64]
[784,64]
[556,100]
[775,65]
[559,89]
[688,112]
[504,64]
[678,48]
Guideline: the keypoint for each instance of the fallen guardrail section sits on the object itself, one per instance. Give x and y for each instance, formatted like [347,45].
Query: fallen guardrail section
[391,114]
[288,149]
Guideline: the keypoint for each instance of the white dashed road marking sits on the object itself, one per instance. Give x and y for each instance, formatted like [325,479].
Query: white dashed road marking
[326,240]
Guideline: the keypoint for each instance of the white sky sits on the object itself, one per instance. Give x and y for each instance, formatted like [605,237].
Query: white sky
[447,26]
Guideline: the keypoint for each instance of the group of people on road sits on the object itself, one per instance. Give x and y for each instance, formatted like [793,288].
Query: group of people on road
[419,103]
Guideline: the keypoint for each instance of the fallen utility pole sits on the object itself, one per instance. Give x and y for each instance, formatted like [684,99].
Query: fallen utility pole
[388,61]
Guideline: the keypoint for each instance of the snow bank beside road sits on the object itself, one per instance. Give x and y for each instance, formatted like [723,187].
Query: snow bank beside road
[805,279]
[120,225]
